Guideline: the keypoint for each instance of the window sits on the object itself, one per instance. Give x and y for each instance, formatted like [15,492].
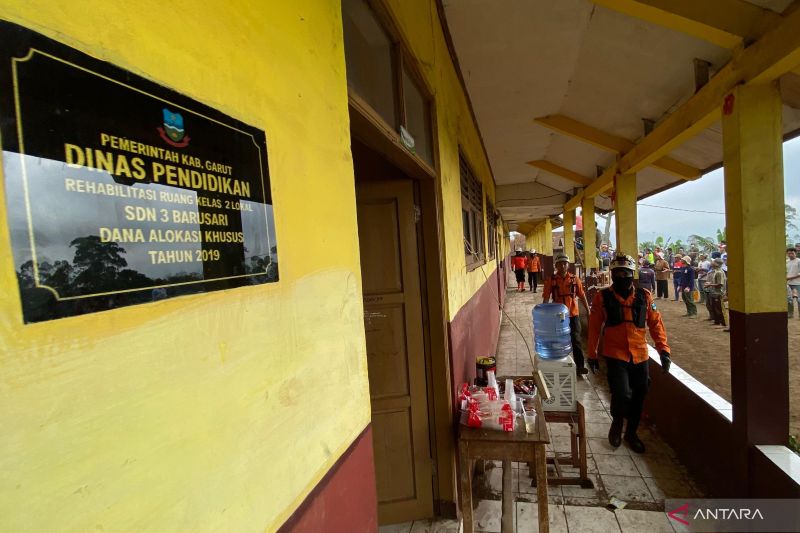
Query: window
[369,58]
[418,118]
[472,215]
[491,231]
[379,74]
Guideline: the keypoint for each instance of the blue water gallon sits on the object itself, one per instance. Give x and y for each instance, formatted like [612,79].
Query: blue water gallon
[551,331]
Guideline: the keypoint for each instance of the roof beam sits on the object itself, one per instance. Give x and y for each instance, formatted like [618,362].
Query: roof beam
[775,54]
[574,202]
[584,132]
[612,143]
[560,171]
[726,23]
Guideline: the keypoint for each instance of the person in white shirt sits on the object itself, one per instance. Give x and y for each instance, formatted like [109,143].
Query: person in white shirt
[792,280]
[703,268]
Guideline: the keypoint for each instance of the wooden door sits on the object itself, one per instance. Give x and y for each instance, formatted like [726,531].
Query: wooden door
[395,350]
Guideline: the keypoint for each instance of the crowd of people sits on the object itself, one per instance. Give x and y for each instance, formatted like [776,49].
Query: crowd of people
[621,313]
[697,278]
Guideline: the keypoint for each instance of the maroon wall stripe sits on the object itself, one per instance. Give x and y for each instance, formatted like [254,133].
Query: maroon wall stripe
[760,377]
[345,500]
[699,434]
[720,453]
[474,331]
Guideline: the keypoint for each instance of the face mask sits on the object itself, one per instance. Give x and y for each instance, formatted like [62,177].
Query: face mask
[621,284]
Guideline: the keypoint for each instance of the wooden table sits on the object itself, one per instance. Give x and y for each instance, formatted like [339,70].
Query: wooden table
[519,446]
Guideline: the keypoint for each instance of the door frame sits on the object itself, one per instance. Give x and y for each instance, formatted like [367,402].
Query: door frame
[371,131]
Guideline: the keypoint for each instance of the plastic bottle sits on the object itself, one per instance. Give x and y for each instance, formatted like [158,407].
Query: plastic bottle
[551,333]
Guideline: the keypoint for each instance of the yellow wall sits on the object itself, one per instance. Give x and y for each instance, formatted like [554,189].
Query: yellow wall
[202,413]
[419,23]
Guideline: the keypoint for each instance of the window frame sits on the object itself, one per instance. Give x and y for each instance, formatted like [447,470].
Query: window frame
[472,214]
[402,62]
[491,230]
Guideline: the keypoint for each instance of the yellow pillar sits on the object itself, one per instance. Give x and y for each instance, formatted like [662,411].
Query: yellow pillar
[754,203]
[625,209]
[589,230]
[754,215]
[547,236]
[569,234]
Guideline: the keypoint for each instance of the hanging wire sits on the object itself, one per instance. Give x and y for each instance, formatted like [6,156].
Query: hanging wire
[500,304]
[679,209]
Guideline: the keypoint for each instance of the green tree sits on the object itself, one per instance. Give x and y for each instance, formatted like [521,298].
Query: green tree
[96,264]
[704,244]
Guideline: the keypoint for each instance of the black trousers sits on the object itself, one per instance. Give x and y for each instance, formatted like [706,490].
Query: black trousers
[532,280]
[575,339]
[520,273]
[662,287]
[716,308]
[628,382]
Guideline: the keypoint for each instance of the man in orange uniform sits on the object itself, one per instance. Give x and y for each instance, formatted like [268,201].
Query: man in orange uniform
[565,288]
[534,266]
[621,313]
[519,262]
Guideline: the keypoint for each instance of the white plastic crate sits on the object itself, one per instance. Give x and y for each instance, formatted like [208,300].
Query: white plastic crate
[559,376]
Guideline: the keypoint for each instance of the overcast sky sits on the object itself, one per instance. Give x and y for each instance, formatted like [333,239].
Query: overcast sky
[704,194]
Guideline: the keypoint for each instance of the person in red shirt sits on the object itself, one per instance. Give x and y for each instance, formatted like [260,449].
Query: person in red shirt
[622,315]
[534,266]
[565,288]
[519,262]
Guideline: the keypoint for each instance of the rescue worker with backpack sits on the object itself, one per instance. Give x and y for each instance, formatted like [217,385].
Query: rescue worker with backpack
[622,314]
[565,288]
[519,262]
[534,266]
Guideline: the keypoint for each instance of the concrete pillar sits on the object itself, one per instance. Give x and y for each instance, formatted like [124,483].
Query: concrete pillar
[569,234]
[547,237]
[589,232]
[754,205]
[625,209]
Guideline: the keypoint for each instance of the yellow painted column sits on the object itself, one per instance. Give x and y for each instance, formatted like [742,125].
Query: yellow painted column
[569,234]
[754,203]
[589,232]
[547,236]
[625,209]
[754,215]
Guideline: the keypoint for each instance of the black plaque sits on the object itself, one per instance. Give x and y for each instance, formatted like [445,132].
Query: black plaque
[120,191]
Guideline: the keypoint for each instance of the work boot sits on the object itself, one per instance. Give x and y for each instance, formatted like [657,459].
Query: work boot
[615,433]
[635,443]
[581,370]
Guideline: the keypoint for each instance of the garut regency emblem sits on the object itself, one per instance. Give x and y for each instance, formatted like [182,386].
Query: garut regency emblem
[172,132]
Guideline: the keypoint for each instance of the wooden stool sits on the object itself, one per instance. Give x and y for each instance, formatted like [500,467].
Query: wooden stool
[578,450]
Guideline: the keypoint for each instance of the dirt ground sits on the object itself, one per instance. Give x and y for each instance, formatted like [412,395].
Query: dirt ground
[703,350]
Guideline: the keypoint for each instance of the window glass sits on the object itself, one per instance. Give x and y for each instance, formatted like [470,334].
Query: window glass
[418,118]
[472,215]
[368,55]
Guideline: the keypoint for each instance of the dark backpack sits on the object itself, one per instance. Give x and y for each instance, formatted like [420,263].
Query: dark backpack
[614,309]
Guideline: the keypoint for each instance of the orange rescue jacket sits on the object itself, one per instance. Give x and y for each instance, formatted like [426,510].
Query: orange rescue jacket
[534,264]
[625,341]
[519,262]
[564,290]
